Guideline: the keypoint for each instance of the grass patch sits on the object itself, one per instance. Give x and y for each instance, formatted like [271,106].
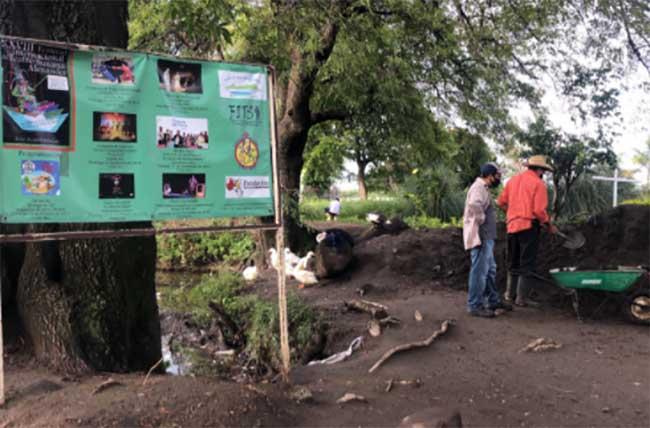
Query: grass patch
[424,222]
[638,201]
[355,210]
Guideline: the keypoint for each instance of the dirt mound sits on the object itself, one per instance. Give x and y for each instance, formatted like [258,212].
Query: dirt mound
[617,237]
[419,255]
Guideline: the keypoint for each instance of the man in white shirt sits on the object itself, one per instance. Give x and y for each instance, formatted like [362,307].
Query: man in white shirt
[334,209]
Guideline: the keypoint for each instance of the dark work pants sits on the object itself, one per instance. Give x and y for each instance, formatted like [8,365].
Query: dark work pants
[522,251]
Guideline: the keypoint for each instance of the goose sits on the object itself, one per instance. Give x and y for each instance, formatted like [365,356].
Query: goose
[250,273]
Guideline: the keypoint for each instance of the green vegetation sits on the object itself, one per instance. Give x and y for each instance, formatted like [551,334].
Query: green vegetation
[640,201]
[256,319]
[355,210]
[201,249]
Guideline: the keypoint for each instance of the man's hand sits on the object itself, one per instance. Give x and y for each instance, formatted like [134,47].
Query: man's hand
[552,229]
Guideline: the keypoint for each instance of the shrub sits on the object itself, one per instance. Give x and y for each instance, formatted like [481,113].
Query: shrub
[436,192]
[204,248]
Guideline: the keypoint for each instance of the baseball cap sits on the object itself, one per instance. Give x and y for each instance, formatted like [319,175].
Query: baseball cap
[488,169]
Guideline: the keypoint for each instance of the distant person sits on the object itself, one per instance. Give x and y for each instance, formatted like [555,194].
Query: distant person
[479,234]
[525,201]
[334,209]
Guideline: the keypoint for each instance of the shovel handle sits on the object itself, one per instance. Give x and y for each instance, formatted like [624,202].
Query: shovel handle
[561,234]
[558,232]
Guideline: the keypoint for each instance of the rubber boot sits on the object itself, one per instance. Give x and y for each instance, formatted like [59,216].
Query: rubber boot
[511,284]
[524,286]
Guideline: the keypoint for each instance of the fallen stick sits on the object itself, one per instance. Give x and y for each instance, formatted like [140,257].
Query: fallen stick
[150,370]
[105,385]
[421,344]
[375,309]
[375,304]
[389,320]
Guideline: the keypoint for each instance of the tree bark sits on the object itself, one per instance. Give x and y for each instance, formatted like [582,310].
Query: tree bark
[361,179]
[293,129]
[85,304]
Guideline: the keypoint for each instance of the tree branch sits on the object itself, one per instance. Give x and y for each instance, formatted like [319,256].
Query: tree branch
[630,41]
[324,116]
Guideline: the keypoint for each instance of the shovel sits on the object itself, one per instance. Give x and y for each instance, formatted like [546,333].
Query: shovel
[573,240]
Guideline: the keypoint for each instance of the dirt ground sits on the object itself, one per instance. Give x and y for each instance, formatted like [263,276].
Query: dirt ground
[599,377]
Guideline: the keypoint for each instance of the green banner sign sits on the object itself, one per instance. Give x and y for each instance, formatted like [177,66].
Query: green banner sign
[100,136]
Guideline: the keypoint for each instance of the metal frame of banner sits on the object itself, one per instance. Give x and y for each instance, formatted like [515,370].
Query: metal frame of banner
[278,226]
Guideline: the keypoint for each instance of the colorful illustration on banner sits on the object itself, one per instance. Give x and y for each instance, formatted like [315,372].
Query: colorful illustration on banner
[242,85]
[35,94]
[247,152]
[40,177]
[181,132]
[183,186]
[248,187]
[116,186]
[183,77]
[113,69]
[114,127]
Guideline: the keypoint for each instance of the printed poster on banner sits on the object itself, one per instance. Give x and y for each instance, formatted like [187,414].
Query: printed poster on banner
[96,135]
[238,187]
[39,178]
[242,85]
[35,95]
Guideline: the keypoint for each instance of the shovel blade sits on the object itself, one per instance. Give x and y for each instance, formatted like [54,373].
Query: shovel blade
[574,240]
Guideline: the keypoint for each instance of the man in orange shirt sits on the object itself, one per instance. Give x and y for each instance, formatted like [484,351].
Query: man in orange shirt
[525,201]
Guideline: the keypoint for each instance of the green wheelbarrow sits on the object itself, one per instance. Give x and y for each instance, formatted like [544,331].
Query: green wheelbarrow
[622,284]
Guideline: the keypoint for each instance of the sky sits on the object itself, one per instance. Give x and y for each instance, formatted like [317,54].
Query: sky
[635,114]
[634,128]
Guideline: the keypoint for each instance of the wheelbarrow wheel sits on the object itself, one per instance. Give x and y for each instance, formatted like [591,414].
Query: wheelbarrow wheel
[636,307]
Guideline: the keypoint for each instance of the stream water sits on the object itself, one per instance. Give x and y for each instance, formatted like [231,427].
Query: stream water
[178,361]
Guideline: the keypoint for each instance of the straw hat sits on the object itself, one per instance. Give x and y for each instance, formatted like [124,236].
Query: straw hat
[539,161]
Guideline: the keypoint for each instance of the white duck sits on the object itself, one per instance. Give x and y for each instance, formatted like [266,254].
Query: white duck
[250,273]
[376,218]
[303,263]
[275,259]
[290,259]
[305,277]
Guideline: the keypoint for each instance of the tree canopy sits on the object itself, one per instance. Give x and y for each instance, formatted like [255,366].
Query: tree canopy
[571,155]
[392,70]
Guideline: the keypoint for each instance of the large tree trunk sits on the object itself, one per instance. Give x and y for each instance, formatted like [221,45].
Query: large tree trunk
[361,180]
[85,303]
[296,119]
